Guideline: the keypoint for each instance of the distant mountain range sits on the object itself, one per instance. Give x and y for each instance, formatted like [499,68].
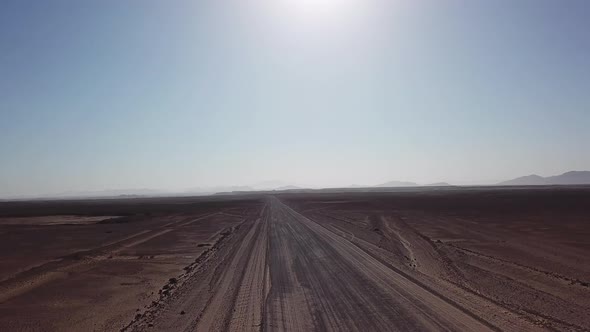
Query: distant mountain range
[107,193]
[397,184]
[213,190]
[568,178]
[288,188]
[439,184]
[392,184]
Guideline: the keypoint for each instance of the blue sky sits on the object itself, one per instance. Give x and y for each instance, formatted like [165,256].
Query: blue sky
[178,94]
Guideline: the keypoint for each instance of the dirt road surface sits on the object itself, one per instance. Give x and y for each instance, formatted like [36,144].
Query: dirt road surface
[287,272]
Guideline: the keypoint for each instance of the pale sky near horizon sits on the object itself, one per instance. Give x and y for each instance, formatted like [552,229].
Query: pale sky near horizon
[171,95]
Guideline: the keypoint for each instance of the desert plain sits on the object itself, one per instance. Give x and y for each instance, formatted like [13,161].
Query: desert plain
[430,259]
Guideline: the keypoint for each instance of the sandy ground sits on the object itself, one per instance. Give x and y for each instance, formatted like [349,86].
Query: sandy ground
[55,220]
[473,260]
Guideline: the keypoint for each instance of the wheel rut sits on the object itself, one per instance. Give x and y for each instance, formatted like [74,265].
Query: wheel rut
[282,271]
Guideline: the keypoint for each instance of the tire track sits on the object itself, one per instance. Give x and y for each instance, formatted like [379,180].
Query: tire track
[285,272]
[237,280]
[225,290]
[249,303]
[388,300]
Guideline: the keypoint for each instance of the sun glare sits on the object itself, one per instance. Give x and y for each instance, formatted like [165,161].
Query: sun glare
[321,11]
[319,29]
[319,7]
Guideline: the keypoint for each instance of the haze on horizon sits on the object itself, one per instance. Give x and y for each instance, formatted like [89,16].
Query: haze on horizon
[179,94]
